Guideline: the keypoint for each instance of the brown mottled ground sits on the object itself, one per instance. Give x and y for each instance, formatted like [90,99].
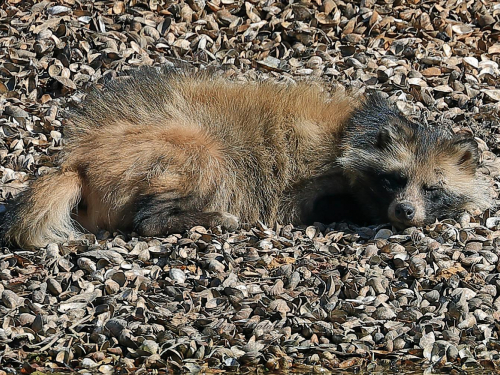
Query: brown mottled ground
[308,299]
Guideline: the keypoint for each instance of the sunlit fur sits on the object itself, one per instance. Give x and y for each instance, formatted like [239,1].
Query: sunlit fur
[389,160]
[162,151]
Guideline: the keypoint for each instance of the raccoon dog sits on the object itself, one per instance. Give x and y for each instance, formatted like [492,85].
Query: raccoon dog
[161,151]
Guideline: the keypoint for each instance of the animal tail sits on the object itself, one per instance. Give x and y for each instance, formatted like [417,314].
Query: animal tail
[42,213]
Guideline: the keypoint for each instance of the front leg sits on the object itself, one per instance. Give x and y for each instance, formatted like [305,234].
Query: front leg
[328,209]
[324,198]
[156,216]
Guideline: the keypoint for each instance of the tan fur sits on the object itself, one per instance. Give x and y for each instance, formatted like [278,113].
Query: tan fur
[191,149]
[127,159]
[215,140]
[45,213]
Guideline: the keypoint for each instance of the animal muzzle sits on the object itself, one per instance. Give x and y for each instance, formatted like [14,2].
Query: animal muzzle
[404,213]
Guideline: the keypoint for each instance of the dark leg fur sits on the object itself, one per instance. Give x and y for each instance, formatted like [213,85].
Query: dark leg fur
[159,215]
[9,217]
[335,208]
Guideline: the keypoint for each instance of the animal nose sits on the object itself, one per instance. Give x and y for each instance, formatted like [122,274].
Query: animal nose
[404,211]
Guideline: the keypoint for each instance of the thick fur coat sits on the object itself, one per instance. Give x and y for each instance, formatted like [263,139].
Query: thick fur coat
[162,151]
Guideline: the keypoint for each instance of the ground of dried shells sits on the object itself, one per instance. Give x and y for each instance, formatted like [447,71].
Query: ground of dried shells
[316,298]
[311,299]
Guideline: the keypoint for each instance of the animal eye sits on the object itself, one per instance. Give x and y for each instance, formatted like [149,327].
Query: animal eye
[433,192]
[432,188]
[393,181]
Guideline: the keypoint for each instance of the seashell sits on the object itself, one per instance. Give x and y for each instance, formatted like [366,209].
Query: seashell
[86,264]
[54,287]
[177,275]
[10,299]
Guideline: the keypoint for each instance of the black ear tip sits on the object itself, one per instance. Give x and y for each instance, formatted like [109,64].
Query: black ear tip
[384,138]
[377,99]
[466,141]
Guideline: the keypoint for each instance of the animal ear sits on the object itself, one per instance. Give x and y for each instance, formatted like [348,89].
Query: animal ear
[467,151]
[393,132]
[385,137]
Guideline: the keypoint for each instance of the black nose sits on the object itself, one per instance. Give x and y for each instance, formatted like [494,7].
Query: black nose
[404,211]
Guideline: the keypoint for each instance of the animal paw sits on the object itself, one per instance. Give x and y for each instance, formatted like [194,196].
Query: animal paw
[229,222]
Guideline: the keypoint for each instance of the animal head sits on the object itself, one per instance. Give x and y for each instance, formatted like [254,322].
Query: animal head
[407,173]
